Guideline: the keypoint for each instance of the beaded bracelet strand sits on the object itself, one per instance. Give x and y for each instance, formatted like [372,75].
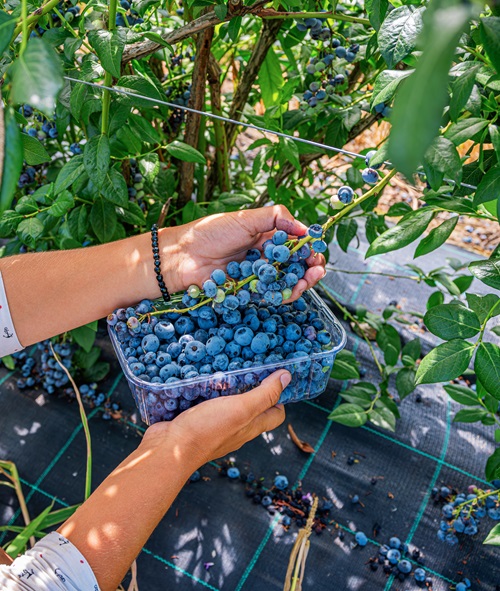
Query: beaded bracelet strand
[156,257]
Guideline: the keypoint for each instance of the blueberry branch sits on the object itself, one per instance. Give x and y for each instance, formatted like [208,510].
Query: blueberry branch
[268,13]
[24,24]
[34,17]
[480,496]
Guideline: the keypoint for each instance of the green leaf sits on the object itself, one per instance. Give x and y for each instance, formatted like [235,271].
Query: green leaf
[86,359]
[415,115]
[490,38]
[462,88]
[34,151]
[78,222]
[29,230]
[345,366]
[85,336]
[376,10]
[496,330]
[140,86]
[445,362]
[149,165]
[389,341]
[470,415]
[103,220]
[405,381]
[487,271]
[440,160]
[494,132]
[12,160]
[20,542]
[96,158]
[72,170]
[37,77]
[493,465]
[489,187]
[462,395]
[463,282]
[8,360]
[360,394]
[157,39]
[346,231]
[399,209]
[382,417]
[493,538]
[97,372]
[487,367]
[58,516]
[132,214]
[449,321]
[109,48]
[7,26]
[398,33]
[143,129]
[114,188]
[62,204]
[233,28]
[185,152]
[220,11]
[445,280]
[436,237]
[71,46]
[465,129]
[289,152]
[386,85]
[408,229]
[270,79]
[348,414]
[413,349]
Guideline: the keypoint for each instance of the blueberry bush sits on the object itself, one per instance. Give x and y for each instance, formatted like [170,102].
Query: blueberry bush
[97,145]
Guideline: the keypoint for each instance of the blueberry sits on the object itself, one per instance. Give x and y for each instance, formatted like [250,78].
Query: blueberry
[195,476]
[315,231]
[345,194]
[218,276]
[419,575]
[370,175]
[260,343]
[461,587]
[395,543]
[393,556]
[361,539]
[281,482]
[281,253]
[195,351]
[233,473]
[319,246]
[266,501]
[404,566]
[340,52]
[210,288]
[279,237]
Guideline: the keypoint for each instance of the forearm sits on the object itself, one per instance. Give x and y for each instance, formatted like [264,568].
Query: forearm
[112,526]
[52,292]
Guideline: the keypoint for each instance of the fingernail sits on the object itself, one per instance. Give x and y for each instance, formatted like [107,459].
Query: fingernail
[285,379]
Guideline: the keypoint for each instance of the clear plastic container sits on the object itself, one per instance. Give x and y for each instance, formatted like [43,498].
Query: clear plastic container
[309,376]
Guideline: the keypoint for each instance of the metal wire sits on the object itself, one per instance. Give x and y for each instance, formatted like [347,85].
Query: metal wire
[236,122]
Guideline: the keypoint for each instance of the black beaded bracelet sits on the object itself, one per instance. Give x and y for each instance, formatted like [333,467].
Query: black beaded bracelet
[156,257]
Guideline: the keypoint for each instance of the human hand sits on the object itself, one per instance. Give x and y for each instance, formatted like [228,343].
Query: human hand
[219,426]
[212,242]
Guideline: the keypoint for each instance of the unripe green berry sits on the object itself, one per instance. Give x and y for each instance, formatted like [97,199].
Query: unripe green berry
[320,66]
[220,297]
[193,291]
[286,293]
[253,285]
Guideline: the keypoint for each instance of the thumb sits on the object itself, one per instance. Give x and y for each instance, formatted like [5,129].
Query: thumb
[265,219]
[268,393]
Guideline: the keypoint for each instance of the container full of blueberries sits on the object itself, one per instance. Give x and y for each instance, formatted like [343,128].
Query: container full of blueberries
[174,361]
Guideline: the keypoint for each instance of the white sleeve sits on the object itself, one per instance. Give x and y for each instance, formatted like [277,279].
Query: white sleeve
[9,343]
[53,564]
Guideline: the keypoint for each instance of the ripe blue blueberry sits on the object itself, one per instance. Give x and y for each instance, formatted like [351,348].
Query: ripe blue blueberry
[370,175]
[279,237]
[419,575]
[319,246]
[210,288]
[345,194]
[393,556]
[404,566]
[218,276]
[281,482]
[361,539]
[315,231]
[233,472]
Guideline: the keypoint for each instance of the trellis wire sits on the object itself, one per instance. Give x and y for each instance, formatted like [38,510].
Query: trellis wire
[235,122]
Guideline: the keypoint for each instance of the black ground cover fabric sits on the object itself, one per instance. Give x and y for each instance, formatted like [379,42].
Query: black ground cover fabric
[212,521]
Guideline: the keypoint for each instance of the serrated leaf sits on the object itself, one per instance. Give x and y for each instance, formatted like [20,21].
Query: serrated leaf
[109,48]
[487,271]
[489,187]
[445,362]
[185,152]
[12,158]
[37,77]
[470,415]
[409,228]
[72,170]
[349,414]
[436,237]
[449,321]
[462,88]
[405,381]
[386,84]
[103,220]
[34,151]
[487,367]
[346,231]
[96,158]
[398,33]
[490,37]
[462,395]
[440,160]
[62,204]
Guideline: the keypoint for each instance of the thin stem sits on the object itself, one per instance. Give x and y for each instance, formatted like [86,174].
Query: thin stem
[14,477]
[85,425]
[24,24]
[35,16]
[108,78]
[347,314]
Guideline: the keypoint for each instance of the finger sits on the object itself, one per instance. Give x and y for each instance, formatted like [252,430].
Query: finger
[267,394]
[265,219]
[268,420]
[313,275]
[316,259]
